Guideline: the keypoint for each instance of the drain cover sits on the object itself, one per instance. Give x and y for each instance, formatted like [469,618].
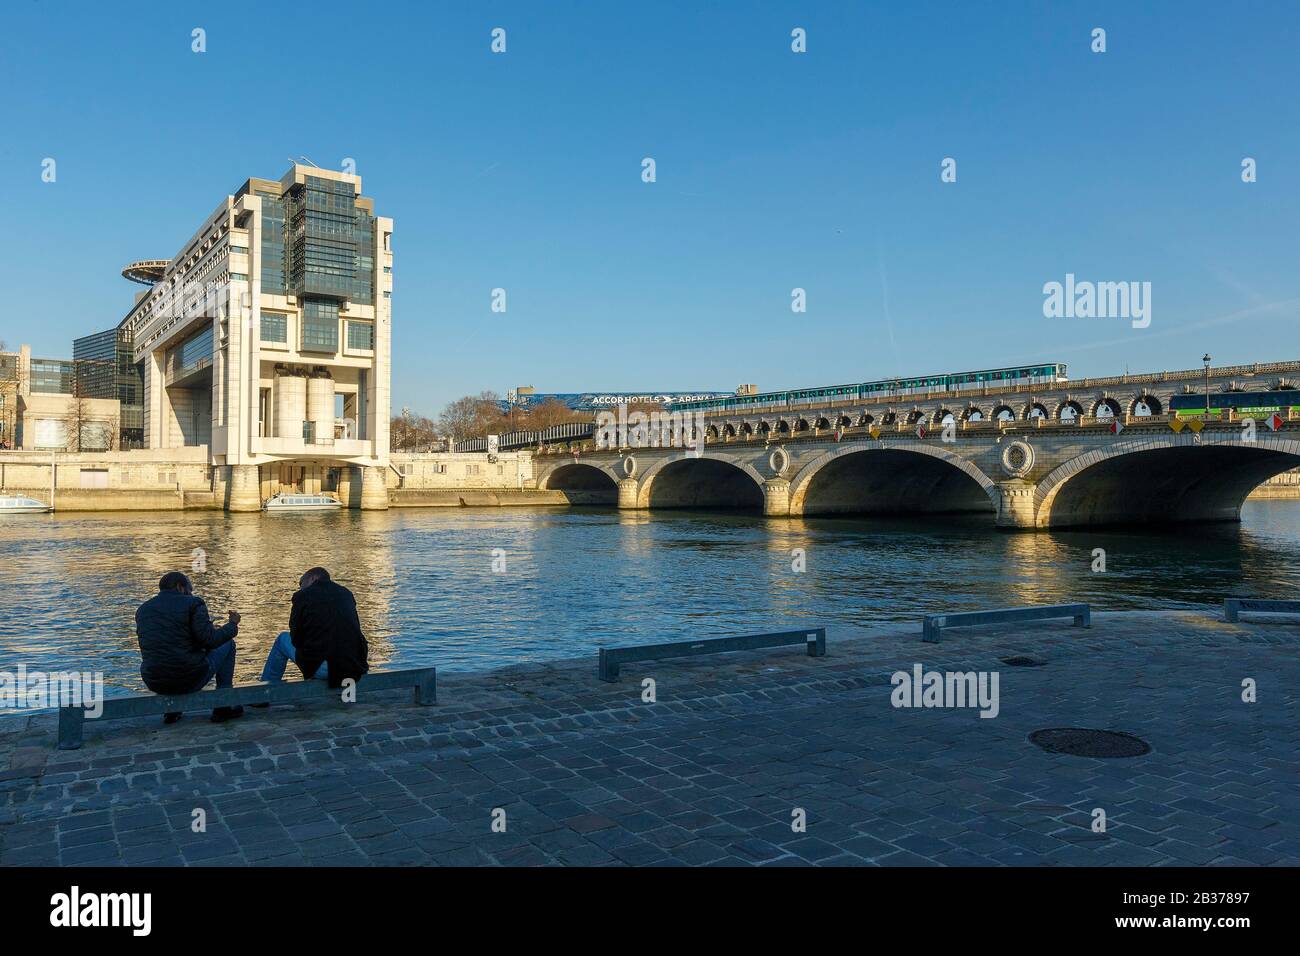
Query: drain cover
[1023,662]
[1082,742]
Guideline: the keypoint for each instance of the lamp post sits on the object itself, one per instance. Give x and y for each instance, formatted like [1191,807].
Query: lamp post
[1206,360]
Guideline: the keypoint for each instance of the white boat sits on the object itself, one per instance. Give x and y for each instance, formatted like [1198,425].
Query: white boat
[20,505]
[288,501]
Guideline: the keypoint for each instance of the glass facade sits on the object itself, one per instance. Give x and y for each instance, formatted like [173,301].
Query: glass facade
[275,327]
[361,335]
[53,376]
[191,355]
[320,325]
[106,369]
[332,242]
[273,245]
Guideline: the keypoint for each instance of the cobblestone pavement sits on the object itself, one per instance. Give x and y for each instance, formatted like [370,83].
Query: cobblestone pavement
[713,772]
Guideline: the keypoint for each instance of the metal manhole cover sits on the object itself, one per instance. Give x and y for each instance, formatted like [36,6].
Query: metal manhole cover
[1083,742]
[1021,661]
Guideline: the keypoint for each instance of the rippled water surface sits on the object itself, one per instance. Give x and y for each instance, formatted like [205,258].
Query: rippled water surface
[576,578]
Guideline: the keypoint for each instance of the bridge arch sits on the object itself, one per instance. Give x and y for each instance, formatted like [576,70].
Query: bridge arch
[701,481]
[1035,410]
[1003,413]
[1068,410]
[583,483]
[1160,481]
[902,478]
[1106,407]
[1144,405]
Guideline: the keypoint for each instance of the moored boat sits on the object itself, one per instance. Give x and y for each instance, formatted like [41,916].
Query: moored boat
[292,502]
[21,505]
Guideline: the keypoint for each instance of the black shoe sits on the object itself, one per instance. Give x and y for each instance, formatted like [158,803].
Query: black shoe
[222,714]
[172,717]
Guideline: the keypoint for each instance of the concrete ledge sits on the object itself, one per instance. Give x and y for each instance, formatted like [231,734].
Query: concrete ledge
[932,625]
[475,497]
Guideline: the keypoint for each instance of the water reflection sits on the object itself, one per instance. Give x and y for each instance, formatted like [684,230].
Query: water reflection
[427,590]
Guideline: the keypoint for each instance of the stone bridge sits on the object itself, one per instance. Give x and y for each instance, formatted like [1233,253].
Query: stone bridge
[1024,478]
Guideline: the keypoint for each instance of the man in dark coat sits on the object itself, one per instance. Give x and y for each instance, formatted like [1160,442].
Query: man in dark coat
[324,637]
[180,649]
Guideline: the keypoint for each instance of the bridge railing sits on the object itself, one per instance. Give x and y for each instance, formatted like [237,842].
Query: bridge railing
[572,431]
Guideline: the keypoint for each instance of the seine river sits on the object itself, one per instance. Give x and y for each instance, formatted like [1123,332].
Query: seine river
[468,589]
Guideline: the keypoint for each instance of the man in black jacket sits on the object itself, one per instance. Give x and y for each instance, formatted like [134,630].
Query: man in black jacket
[180,650]
[324,636]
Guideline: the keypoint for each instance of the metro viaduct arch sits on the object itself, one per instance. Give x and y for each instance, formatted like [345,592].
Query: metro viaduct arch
[1074,479]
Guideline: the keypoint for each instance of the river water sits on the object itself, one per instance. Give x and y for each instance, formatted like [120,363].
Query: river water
[469,589]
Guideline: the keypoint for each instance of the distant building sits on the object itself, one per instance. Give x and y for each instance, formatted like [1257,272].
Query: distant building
[106,368]
[44,407]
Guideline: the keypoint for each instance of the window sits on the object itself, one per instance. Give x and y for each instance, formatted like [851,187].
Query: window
[238,277]
[388,270]
[275,327]
[387,294]
[361,335]
[243,249]
[320,325]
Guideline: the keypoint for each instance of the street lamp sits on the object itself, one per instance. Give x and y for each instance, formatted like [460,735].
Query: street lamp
[1206,360]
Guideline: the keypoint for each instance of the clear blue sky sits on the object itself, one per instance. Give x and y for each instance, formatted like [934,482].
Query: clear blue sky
[775,170]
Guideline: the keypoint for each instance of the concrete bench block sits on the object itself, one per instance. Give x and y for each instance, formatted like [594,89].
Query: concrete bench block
[423,680]
[612,657]
[933,625]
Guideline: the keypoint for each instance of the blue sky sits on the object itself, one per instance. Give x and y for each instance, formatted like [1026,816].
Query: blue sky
[775,170]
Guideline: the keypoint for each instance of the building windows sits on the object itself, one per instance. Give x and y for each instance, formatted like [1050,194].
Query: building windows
[275,327]
[240,249]
[320,325]
[387,294]
[388,270]
[51,376]
[361,335]
[238,277]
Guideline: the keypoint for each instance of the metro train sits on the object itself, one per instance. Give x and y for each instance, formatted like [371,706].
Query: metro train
[1048,374]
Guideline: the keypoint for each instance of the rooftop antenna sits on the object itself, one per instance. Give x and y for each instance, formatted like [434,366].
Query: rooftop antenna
[304,158]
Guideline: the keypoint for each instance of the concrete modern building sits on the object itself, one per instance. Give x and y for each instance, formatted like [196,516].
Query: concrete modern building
[266,338]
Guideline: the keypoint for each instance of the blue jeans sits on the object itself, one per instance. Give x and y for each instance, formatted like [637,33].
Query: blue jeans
[221,665]
[282,652]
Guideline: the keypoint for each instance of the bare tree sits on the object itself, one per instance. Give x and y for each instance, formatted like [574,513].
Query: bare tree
[473,416]
[550,412]
[407,432]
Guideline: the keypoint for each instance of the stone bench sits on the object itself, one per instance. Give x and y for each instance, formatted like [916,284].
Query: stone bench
[1232,607]
[424,680]
[932,625]
[612,657]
